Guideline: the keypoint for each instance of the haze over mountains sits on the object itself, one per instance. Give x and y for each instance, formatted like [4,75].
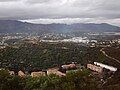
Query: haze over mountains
[12,26]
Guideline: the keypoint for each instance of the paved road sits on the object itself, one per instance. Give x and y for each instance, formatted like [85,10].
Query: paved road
[102,50]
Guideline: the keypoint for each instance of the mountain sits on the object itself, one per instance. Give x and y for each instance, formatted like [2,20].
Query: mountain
[12,26]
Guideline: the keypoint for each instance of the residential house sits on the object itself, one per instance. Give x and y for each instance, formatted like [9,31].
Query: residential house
[21,73]
[68,66]
[55,71]
[95,68]
[37,74]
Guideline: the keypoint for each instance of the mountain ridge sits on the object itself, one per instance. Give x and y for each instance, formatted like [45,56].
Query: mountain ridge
[13,26]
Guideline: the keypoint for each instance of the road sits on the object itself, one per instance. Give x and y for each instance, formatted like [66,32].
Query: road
[102,50]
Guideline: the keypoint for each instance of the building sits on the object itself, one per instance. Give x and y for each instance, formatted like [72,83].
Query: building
[37,74]
[11,73]
[111,68]
[95,68]
[21,73]
[69,66]
[55,71]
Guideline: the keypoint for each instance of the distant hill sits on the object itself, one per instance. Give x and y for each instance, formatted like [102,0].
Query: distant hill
[12,26]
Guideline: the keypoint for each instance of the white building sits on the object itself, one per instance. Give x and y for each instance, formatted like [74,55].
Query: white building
[111,68]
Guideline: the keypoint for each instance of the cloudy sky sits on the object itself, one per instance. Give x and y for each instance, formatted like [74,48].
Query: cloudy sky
[61,11]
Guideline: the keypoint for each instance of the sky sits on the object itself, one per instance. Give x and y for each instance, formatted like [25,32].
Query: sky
[61,11]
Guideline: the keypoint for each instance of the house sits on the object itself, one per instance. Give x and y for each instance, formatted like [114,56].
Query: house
[37,74]
[95,68]
[55,71]
[11,73]
[21,73]
[68,66]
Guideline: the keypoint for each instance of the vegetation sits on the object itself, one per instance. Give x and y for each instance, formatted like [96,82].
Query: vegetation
[35,57]
[113,52]
[43,56]
[31,57]
[75,80]
[8,82]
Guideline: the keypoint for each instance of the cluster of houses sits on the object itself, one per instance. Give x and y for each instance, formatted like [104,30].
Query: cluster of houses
[48,72]
[20,73]
[58,72]
[98,67]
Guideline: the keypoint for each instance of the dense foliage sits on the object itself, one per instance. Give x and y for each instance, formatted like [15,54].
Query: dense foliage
[74,80]
[113,52]
[31,57]
[44,55]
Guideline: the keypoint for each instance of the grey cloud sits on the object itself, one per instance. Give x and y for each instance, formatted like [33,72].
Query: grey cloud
[8,0]
[38,1]
[35,9]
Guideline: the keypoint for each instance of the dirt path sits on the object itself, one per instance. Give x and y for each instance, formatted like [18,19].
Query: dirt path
[102,50]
